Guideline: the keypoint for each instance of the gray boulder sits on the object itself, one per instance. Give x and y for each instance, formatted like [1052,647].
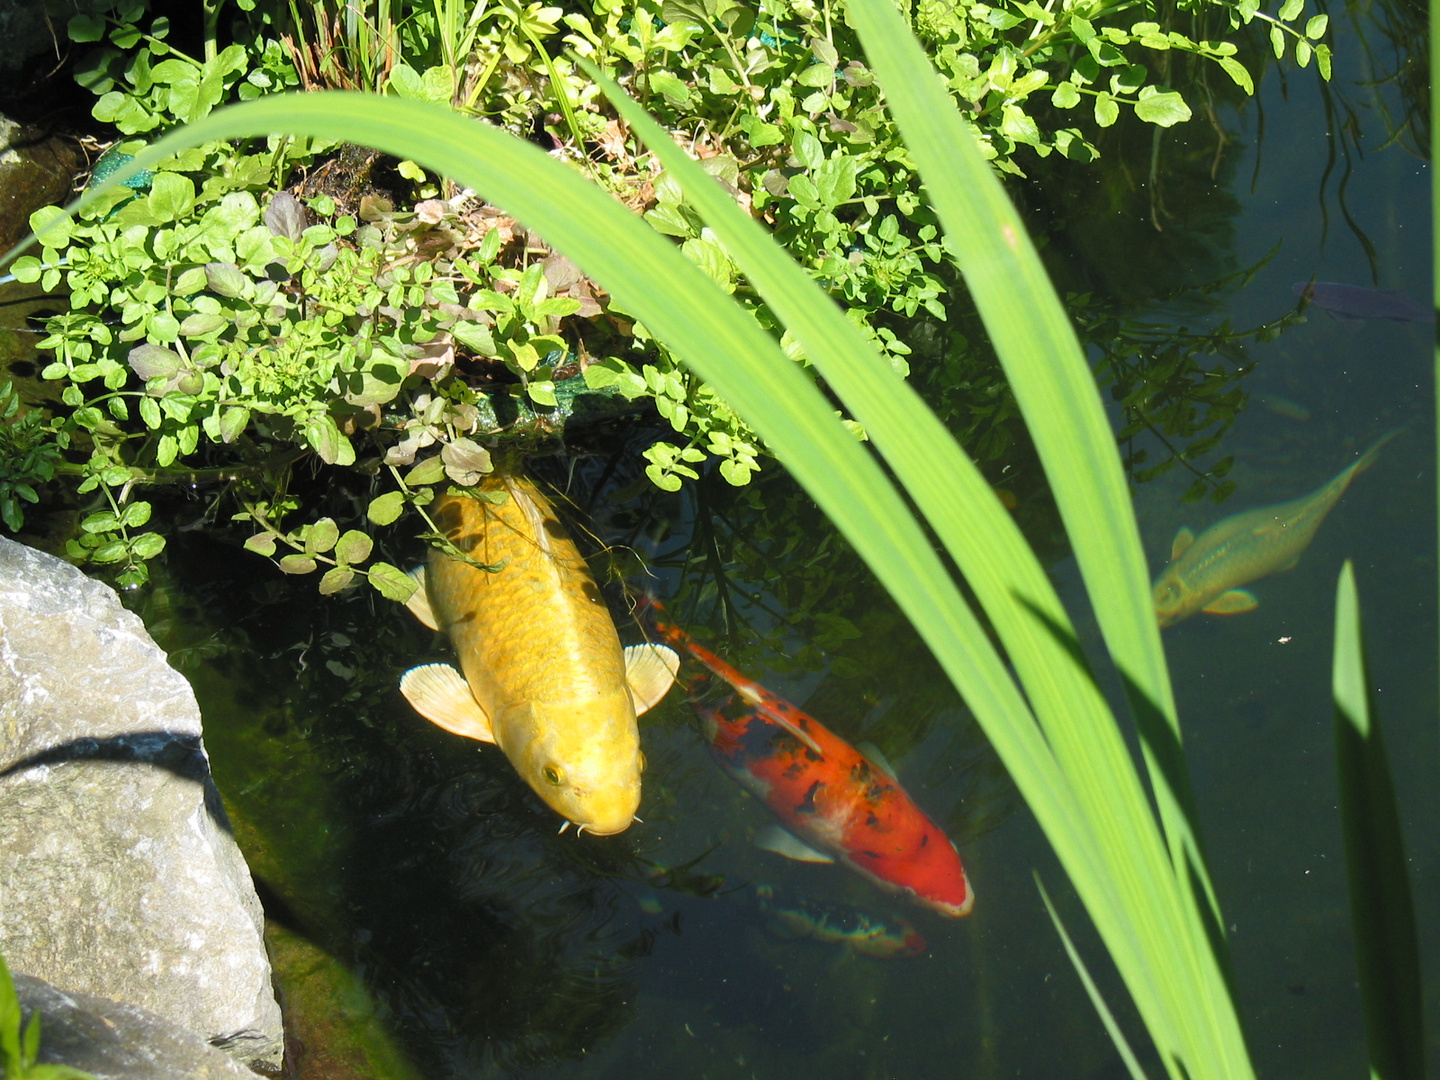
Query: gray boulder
[118,873]
[119,1042]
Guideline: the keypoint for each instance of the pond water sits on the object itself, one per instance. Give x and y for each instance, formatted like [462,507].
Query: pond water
[479,942]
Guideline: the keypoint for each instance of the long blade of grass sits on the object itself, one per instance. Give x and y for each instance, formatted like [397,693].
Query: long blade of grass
[1060,401]
[985,544]
[1052,382]
[989,549]
[1122,1045]
[1387,951]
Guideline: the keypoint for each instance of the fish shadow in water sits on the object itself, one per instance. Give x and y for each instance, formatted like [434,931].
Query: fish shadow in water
[176,752]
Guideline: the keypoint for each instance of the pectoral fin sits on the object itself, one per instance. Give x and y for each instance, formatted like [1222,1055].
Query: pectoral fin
[1233,602]
[419,602]
[1183,539]
[440,694]
[649,671]
[775,839]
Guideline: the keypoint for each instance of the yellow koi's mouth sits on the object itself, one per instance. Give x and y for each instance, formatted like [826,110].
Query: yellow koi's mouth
[593,830]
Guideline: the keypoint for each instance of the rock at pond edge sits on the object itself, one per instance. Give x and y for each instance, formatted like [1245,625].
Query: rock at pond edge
[118,874]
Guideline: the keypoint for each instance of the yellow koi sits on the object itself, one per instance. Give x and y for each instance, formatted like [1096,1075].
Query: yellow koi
[1205,572]
[544,678]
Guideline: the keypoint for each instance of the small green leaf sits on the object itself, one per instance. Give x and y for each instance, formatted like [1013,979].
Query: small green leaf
[327,441]
[321,536]
[85,28]
[392,582]
[466,461]
[191,281]
[1066,96]
[335,579]
[662,82]
[261,544]
[171,197]
[353,547]
[232,423]
[147,546]
[475,336]
[1302,53]
[1106,111]
[135,515]
[1237,73]
[151,361]
[111,552]
[200,323]
[1277,42]
[1290,9]
[387,508]
[227,279]
[52,226]
[1164,108]
[429,471]
[27,269]
[297,564]
[101,521]
[1316,27]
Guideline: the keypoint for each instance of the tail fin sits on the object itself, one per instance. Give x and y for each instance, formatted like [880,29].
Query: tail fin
[1368,458]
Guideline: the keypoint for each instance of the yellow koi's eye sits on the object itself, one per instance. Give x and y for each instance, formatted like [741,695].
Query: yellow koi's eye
[553,775]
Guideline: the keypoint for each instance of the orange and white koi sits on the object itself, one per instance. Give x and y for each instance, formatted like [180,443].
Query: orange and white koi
[833,801]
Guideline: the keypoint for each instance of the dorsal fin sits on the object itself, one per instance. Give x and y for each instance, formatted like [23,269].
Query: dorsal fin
[876,757]
[783,713]
[1183,539]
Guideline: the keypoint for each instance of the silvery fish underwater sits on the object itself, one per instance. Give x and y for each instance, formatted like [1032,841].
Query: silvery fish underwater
[1206,571]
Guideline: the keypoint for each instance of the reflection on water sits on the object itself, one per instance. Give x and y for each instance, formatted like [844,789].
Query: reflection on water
[490,945]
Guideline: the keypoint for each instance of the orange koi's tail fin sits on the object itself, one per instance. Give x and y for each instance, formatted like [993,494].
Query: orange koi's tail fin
[652,613]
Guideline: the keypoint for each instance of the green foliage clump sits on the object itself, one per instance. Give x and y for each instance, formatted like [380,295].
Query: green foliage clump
[213,319]
[30,450]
